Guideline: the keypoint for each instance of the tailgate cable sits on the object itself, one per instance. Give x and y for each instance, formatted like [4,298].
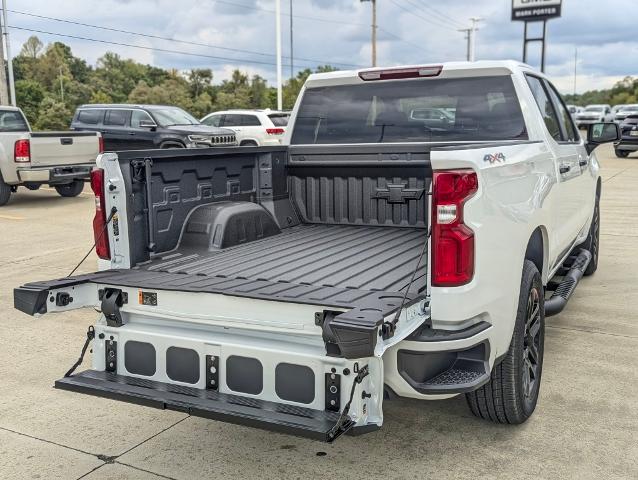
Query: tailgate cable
[106,224]
[90,335]
[338,427]
[387,329]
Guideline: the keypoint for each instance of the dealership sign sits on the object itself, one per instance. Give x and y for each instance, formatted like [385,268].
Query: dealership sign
[530,10]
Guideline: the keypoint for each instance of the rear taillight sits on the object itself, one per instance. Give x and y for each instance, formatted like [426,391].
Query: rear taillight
[100,234]
[275,131]
[101,144]
[452,255]
[22,151]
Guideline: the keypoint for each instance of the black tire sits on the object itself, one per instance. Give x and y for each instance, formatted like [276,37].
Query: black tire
[172,145]
[511,394]
[69,190]
[593,240]
[621,153]
[5,192]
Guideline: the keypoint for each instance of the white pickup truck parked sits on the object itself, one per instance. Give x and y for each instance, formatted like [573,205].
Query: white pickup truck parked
[61,159]
[379,254]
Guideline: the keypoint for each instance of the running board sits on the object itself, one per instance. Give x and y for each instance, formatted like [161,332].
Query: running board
[567,286]
[252,412]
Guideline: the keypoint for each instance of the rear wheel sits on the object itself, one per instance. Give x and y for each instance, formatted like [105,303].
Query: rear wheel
[621,153]
[512,392]
[5,192]
[72,189]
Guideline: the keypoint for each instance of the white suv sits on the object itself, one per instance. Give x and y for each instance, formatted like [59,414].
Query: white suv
[253,127]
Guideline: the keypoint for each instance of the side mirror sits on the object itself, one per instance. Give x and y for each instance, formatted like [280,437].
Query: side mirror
[599,133]
[147,124]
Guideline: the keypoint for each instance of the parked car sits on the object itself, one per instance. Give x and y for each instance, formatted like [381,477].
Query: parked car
[62,160]
[629,136]
[252,127]
[625,111]
[575,109]
[138,127]
[368,257]
[594,114]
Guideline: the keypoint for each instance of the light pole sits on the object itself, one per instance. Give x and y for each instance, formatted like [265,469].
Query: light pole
[472,33]
[280,99]
[12,89]
[374,31]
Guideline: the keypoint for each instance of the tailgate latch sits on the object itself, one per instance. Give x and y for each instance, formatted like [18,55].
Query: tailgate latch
[112,300]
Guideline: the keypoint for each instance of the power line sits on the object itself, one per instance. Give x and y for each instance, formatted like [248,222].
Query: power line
[425,19]
[164,50]
[170,39]
[441,15]
[319,19]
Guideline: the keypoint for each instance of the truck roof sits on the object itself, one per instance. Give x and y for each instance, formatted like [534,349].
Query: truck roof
[456,69]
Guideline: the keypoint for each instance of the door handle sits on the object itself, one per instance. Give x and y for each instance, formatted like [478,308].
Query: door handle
[132,134]
[582,163]
[564,169]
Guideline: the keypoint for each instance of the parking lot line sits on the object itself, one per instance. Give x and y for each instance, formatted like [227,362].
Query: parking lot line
[11,217]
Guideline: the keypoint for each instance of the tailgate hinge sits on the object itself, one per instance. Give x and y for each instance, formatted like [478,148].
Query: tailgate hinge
[112,300]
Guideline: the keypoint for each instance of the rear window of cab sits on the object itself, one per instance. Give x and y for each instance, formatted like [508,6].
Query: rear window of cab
[420,110]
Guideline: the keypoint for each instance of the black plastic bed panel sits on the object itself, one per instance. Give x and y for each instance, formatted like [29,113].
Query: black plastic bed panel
[340,256]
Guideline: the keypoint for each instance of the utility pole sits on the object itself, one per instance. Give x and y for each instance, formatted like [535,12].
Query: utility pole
[468,34]
[292,62]
[4,92]
[472,37]
[374,31]
[12,89]
[280,99]
[575,67]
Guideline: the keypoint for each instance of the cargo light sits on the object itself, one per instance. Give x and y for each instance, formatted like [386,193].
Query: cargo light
[452,240]
[100,144]
[102,247]
[22,151]
[399,73]
[275,131]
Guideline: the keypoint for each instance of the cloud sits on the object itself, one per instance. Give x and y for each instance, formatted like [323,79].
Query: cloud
[337,32]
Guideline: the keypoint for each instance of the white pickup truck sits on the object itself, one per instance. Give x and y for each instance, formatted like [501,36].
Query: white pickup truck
[61,159]
[381,253]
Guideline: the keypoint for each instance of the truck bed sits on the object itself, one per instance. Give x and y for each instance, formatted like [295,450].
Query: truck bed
[345,257]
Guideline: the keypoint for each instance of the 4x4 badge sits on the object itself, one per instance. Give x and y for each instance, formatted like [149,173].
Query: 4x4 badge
[494,157]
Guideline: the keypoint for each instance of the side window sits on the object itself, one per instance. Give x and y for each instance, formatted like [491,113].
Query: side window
[232,120]
[138,116]
[250,121]
[92,116]
[116,117]
[213,120]
[565,117]
[546,107]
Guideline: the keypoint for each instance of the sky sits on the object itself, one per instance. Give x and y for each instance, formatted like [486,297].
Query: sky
[228,34]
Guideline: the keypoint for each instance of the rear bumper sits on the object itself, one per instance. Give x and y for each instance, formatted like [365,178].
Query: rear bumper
[628,145]
[53,175]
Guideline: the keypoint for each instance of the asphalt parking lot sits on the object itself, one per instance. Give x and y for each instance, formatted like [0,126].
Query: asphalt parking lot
[585,424]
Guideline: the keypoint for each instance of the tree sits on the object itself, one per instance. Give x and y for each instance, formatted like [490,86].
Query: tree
[29,95]
[199,79]
[32,47]
[53,115]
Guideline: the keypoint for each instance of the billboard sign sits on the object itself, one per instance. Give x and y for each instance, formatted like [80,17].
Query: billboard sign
[532,10]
